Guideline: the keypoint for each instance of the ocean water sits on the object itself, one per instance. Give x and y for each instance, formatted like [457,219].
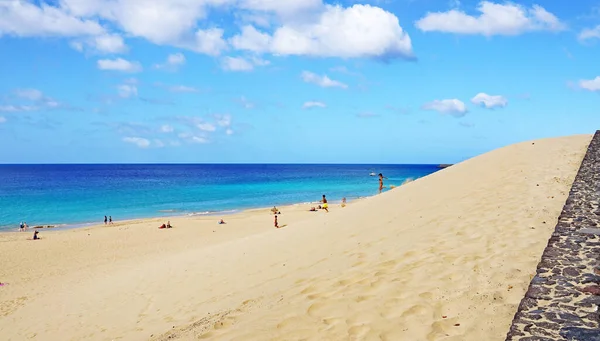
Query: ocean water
[80,194]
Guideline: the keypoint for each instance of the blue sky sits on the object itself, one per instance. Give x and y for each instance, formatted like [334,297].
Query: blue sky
[407,81]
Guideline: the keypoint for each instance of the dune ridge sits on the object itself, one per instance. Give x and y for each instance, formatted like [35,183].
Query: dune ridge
[445,257]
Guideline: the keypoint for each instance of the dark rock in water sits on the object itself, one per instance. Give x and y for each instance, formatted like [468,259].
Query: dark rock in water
[44,227]
[444,165]
[580,334]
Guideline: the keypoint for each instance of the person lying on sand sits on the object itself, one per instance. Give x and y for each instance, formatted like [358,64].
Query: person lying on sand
[313,209]
[163,226]
[169,224]
[275,210]
[221,222]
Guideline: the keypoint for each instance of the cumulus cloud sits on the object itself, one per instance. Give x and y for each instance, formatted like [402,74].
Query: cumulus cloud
[25,19]
[452,107]
[208,41]
[313,104]
[495,19]
[322,81]
[102,44]
[591,84]
[119,64]
[299,27]
[127,91]
[173,62]
[242,64]
[589,34]
[236,64]
[138,141]
[357,31]
[489,101]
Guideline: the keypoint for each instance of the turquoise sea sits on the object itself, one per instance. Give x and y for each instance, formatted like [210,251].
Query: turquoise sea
[70,194]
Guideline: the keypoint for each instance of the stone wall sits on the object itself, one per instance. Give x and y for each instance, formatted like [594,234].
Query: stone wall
[563,299]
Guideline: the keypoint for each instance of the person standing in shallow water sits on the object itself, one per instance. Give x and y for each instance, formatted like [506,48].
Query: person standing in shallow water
[110,220]
[105,220]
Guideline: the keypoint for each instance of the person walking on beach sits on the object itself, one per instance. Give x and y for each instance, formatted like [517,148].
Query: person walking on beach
[21,227]
[105,220]
[110,220]
[325,205]
[276,223]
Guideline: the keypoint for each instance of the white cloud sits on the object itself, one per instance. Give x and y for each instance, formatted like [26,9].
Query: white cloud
[110,43]
[182,88]
[105,43]
[357,31]
[452,107]
[119,64]
[206,127]
[306,27]
[229,132]
[495,19]
[138,141]
[313,104]
[245,103]
[29,94]
[209,42]
[589,34]
[17,108]
[223,120]
[24,19]
[173,62]
[127,91]
[167,128]
[489,101]
[251,39]
[236,64]
[2,119]
[322,81]
[591,85]
[199,139]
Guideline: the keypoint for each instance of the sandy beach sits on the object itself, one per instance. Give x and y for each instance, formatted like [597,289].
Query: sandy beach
[445,257]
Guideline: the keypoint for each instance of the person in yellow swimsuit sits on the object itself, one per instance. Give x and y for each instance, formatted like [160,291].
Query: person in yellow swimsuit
[325,205]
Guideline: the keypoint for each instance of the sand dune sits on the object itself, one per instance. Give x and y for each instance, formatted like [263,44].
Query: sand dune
[446,257]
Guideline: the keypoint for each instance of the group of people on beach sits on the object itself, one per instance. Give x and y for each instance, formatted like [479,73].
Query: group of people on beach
[108,220]
[325,204]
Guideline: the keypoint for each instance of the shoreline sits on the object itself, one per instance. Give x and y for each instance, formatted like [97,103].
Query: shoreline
[189,216]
